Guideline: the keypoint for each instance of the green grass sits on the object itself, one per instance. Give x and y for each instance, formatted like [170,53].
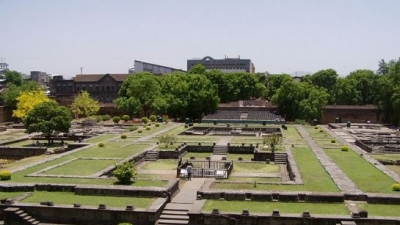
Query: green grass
[386,156]
[197,155]
[81,167]
[162,164]
[365,175]
[101,138]
[257,179]
[256,167]
[111,150]
[380,209]
[268,207]
[71,198]
[246,157]
[394,168]
[247,140]
[10,194]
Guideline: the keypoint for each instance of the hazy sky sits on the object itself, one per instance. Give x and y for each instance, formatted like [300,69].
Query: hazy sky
[60,37]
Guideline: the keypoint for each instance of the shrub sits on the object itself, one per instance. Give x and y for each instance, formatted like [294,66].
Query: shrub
[140,131]
[116,119]
[133,128]
[123,136]
[106,117]
[321,131]
[344,148]
[101,145]
[167,139]
[99,118]
[153,118]
[157,124]
[5,175]
[396,187]
[125,172]
[145,120]
[333,141]
[148,127]
[165,118]
[315,127]
[125,118]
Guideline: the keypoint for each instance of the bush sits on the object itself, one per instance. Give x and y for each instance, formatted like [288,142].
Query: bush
[99,118]
[333,141]
[157,124]
[153,118]
[123,136]
[321,131]
[5,175]
[315,127]
[145,120]
[125,172]
[148,127]
[344,148]
[140,131]
[116,119]
[396,187]
[133,128]
[126,118]
[101,145]
[167,139]
[106,117]
[165,118]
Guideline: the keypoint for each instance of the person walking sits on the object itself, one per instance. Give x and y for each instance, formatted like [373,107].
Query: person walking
[189,171]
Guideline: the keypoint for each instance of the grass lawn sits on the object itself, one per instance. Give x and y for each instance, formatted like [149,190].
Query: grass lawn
[246,157]
[314,176]
[394,168]
[257,179]
[71,198]
[197,155]
[161,164]
[380,209]
[386,156]
[365,175]
[82,167]
[111,150]
[247,140]
[101,138]
[10,194]
[256,167]
[197,138]
[268,207]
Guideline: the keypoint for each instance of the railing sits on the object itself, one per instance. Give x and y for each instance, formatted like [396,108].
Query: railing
[208,168]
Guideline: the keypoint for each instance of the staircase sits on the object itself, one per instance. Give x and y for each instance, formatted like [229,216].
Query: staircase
[18,216]
[220,150]
[280,158]
[151,156]
[174,213]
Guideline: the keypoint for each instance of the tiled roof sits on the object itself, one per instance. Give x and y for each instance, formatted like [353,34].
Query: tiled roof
[97,77]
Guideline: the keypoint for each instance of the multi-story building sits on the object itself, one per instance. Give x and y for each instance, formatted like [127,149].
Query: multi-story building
[102,87]
[140,66]
[40,77]
[227,65]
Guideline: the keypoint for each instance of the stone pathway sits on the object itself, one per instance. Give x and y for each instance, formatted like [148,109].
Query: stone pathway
[188,192]
[224,140]
[381,167]
[338,176]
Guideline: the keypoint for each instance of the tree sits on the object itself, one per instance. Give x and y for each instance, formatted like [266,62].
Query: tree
[27,101]
[365,84]
[274,82]
[84,105]
[129,105]
[326,79]
[11,95]
[125,172]
[198,69]
[272,141]
[48,118]
[13,77]
[167,139]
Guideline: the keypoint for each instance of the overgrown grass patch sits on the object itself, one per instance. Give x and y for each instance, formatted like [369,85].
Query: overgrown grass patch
[365,175]
[10,194]
[268,207]
[70,198]
[380,209]
[394,168]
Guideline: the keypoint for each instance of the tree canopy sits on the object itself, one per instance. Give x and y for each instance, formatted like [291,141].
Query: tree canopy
[27,101]
[48,118]
[84,105]
[13,91]
[13,77]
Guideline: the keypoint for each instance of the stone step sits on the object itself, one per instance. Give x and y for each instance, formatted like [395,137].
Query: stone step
[174,217]
[162,222]
[173,212]
[178,207]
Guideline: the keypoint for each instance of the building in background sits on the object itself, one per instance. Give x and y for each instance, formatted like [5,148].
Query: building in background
[226,65]
[3,69]
[42,78]
[140,66]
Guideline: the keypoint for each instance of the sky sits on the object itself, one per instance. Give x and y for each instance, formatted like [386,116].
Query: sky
[280,36]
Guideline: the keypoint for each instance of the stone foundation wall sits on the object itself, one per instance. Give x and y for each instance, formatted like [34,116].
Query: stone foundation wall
[17,153]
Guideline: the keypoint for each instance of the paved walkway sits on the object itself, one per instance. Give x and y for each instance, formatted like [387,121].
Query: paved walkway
[188,193]
[338,176]
[224,140]
[366,156]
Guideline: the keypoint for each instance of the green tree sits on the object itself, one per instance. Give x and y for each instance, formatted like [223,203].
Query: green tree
[198,69]
[273,141]
[346,92]
[129,105]
[365,84]
[48,118]
[27,101]
[13,77]
[274,82]
[125,172]
[13,92]
[325,79]
[84,105]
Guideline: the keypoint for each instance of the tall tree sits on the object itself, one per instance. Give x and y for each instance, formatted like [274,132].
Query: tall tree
[84,105]
[274,82]
[366,85]
[13,77]
[27,101]
[13,92]
[326,79]
[48,118]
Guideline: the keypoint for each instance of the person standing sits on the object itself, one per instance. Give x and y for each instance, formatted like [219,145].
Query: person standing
[189,169]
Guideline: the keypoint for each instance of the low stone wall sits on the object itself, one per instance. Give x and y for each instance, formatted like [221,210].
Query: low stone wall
[383,199]
[262,156]
[241,149]
[62,214]
[176,154]
[17,153]
[199,148]
[363,146]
